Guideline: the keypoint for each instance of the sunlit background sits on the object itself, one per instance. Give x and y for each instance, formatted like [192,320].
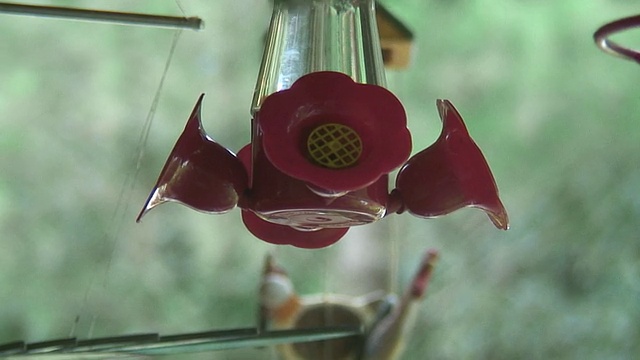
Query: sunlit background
[558,120]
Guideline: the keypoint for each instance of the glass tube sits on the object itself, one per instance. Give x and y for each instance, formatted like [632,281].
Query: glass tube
[319,35]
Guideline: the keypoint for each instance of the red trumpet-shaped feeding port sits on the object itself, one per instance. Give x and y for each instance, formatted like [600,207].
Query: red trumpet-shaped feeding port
[199,173]
[333,133]
[450,174]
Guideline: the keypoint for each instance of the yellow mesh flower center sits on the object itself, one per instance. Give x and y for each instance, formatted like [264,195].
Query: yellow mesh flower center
[334,146]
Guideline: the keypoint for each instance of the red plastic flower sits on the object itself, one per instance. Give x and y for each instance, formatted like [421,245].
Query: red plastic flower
[450,174]
[333,133]
[199,173]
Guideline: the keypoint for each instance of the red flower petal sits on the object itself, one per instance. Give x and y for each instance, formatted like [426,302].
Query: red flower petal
[287,118]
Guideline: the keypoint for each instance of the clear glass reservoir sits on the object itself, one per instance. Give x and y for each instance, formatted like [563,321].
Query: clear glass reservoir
[319,35]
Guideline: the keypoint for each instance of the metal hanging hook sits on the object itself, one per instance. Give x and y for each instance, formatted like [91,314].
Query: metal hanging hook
[602,35]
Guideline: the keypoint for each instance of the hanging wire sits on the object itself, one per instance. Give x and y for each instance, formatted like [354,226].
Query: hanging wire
[129,182]
[122,205]
[394,257]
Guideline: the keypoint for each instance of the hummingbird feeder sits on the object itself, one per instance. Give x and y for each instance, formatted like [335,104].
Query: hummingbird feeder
[326,134]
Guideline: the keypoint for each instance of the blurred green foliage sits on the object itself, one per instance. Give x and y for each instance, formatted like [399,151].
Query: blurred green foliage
[556,118]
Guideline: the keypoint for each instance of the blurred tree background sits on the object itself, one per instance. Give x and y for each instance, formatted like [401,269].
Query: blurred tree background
[556,118]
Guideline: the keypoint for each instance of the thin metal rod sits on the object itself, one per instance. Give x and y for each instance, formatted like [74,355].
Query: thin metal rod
[193,23]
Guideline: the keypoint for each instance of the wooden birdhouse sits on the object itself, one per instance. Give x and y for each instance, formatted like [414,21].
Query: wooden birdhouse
[396,39]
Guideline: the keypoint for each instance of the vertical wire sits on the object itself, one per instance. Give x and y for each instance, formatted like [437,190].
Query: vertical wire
[122,205]
[394,258]
[327,310]
[131,178]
